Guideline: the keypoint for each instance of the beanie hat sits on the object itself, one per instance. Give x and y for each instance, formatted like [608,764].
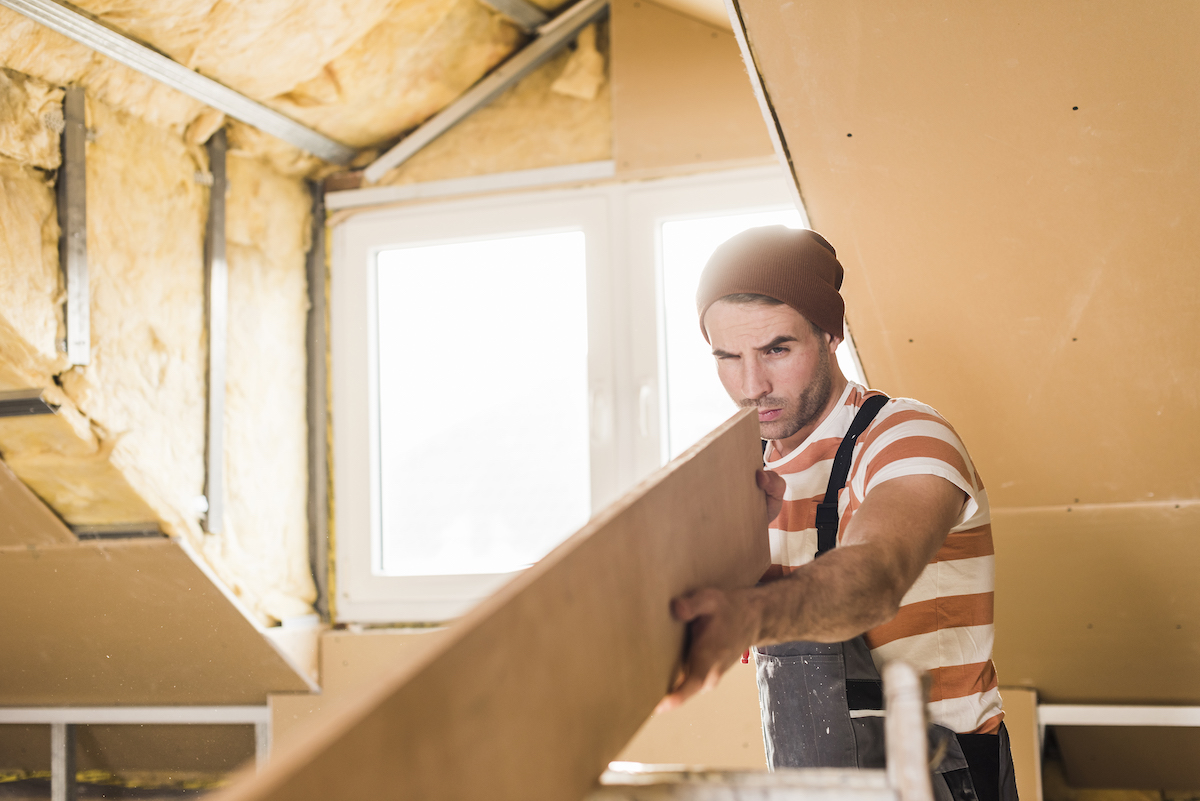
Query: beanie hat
[794,266]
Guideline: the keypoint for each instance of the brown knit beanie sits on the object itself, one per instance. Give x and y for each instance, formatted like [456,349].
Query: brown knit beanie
[794,266]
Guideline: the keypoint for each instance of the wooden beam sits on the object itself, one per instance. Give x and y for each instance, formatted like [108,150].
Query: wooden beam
[532,694]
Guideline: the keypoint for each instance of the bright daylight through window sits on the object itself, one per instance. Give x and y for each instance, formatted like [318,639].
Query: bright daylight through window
[483,399]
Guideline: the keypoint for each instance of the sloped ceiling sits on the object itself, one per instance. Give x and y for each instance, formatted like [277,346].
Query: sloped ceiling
[1015,193]
[361,71]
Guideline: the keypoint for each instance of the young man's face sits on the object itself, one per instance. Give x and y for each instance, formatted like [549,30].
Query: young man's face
[770,357]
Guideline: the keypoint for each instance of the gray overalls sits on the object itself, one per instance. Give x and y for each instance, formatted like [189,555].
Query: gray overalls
[822,703]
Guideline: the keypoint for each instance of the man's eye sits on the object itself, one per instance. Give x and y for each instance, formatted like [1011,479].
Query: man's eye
[777,350]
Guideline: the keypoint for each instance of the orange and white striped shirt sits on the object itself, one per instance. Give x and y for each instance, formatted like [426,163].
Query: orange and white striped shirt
[944,625]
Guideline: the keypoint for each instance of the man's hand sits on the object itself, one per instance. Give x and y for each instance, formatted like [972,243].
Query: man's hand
[773,486]
[722,626]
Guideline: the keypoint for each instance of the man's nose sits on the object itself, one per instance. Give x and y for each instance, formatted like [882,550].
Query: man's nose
[755,383]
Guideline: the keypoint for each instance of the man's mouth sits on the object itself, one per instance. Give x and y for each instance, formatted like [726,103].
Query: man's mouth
[767,415]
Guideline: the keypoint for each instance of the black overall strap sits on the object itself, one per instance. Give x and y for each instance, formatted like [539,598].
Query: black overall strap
[827,510]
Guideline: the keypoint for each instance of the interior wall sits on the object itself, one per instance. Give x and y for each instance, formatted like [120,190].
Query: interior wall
[127,446]
[681,97]
[561,113]
[1013,192]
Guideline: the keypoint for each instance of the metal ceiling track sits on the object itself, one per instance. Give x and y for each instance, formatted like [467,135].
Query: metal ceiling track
[76,24]
[552,37]
[25,402]
[523,13]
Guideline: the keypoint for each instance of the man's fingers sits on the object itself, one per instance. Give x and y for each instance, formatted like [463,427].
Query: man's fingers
[688,607]
[692,684]
[773,486]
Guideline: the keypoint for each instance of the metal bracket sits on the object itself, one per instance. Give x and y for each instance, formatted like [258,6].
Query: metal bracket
[62,762]
[117,531]
[318,411]
[72,220]
[25,402]
[216,286]
[552,37]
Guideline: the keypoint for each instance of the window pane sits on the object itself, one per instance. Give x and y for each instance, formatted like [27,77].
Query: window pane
[483,402]
[696,402]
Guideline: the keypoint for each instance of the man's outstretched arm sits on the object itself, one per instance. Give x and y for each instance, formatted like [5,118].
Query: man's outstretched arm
[859,585]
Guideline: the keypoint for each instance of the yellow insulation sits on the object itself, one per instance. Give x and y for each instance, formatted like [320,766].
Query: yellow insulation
[363,71]
[264,549]
[531,125]
[30,316]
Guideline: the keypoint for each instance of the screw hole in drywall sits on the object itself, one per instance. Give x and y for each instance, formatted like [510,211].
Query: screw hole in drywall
[849,135]
[910,340]
[1074,108]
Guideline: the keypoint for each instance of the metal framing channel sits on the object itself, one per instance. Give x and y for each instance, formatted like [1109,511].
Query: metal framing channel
[552,37]
[318,410]
[216,285]
[25,402]
[77,25]
[524,14]
[62,762]
[72,221]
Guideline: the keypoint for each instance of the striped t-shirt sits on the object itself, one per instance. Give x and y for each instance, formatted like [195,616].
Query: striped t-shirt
[944,625]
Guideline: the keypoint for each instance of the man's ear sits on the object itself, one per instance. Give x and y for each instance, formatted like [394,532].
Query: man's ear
[833,342]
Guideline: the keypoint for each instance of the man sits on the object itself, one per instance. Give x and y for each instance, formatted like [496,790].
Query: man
[905,567]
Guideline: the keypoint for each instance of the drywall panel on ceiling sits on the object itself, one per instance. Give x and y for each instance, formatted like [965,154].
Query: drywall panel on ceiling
[24,519]
[1014,192]
[542,684]
[133,622]
[1135,757]
[680,92]
[1099,605]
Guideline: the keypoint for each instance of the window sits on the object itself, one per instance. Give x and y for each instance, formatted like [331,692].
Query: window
[504,367]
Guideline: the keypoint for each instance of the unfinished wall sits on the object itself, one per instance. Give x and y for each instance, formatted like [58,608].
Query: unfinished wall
[265,544]
[127,447]
[561,113]
[360,70]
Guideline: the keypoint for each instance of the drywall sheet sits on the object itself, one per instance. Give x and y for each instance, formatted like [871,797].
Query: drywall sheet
[133,622]
[350,663]
[531,694]
[561,113]
[263,552]
[1099,604]
[1015,194]
[25,520]
[680,93]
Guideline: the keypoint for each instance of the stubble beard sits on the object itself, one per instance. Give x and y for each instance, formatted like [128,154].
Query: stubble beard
[807,408]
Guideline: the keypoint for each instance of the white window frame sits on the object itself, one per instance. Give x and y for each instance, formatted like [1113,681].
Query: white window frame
[362,595]
[622,224]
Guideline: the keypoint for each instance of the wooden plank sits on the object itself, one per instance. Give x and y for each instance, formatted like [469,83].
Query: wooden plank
[133,622]
[24,519]
[530,695]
